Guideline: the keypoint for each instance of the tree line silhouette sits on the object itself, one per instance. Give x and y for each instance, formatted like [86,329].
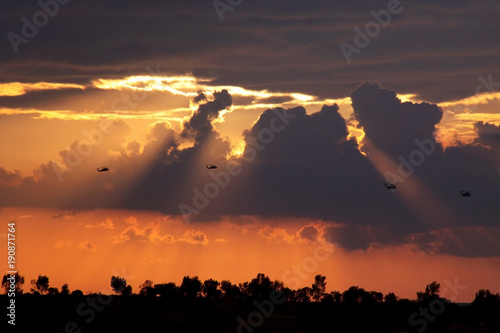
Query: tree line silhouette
[257,289]
[222,306]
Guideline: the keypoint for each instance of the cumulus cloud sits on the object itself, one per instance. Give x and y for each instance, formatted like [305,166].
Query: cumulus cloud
[10,178]
[148,234]
[487,134]
[275,235]
[296,163]
[199,124]
[193,236]
[391,125]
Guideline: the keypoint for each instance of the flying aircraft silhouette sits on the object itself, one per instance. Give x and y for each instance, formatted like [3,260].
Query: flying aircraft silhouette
[211,166]
[390,186]
[464,193]
[102,169]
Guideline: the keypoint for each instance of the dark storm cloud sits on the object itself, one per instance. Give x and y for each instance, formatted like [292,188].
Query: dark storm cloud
[466,242]
[200,123]
[311,169]
[10,178]
[308,232]
[153,179]
[295,164]
[404,132]
[390,125]
[308,168]
[44,100]
[360,237]
[488,134]
[436,50]
[80,100]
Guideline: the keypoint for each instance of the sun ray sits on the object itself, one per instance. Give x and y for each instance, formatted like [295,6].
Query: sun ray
[413,192]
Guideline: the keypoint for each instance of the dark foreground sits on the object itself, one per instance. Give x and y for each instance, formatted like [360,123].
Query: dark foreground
[101,313]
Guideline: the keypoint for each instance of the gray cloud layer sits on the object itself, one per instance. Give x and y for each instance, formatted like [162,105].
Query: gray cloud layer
[434,49]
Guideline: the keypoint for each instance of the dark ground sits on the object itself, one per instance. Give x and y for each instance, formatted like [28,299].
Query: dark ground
[101,313]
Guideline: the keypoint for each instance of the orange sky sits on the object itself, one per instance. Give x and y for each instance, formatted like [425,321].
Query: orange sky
[84,249]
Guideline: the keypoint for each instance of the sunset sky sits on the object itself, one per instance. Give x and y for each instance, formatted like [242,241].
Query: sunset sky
[306,107]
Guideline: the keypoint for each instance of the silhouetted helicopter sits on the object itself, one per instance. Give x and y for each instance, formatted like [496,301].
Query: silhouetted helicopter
[102,169]
[390,186]
[464,193]
[211,166]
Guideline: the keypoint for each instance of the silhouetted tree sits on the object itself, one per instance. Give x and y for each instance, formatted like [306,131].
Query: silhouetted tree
[431,292]
[19,281]
[127,291]
[147,289]
[318,287]
[391,298]
[120,286]
[356,294]
[64,290]
[288,293]
[190,287]
[53,291]
[303,295]
[209,289]
[77,294]
[41,284]
[485,297]
[376,296]
[167,290]
[260,287]
[486,307]
[230,290]
[332,297]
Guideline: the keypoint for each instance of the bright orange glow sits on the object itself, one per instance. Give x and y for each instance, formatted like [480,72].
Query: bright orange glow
[77,248]
[237,150]
[18,88]
[408,98]
[188,86]
[478,99]
[358,133]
